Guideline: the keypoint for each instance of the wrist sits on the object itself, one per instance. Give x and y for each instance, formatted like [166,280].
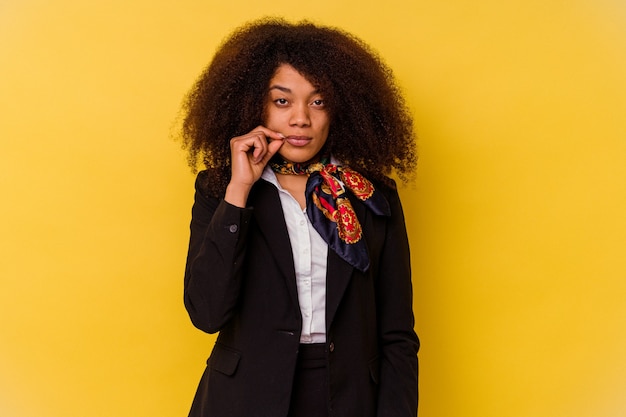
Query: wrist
[237,195]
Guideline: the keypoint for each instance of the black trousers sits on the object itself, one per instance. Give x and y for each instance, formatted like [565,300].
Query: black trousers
[310,388]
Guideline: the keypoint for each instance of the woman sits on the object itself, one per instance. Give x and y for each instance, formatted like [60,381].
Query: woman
[298,253]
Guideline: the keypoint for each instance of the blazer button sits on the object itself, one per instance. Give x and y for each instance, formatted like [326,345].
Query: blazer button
[331,347]
[232,228]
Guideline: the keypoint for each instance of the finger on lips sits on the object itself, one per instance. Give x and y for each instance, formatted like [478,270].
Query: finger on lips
[257,142]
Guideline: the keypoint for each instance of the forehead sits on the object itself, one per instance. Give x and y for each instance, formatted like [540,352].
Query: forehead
[287,73]
[287,76]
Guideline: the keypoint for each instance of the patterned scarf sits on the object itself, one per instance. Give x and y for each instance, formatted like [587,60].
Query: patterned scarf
[330,210]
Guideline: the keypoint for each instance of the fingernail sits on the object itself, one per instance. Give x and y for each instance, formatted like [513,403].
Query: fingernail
[282,136]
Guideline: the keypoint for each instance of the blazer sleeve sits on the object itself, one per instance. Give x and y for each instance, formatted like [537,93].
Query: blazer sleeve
[399,344]
[217,248]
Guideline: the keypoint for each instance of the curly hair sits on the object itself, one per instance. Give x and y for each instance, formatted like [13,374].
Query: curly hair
[371,127]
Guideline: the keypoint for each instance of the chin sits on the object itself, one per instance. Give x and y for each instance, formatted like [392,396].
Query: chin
[298,157]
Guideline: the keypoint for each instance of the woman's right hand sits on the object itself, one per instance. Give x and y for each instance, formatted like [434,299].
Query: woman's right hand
[249,154]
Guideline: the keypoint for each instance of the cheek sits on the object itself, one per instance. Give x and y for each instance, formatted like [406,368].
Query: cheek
[325,125]
[271,118]
[321,120]
[265,116]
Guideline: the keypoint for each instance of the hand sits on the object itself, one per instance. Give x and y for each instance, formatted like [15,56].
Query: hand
[249,154]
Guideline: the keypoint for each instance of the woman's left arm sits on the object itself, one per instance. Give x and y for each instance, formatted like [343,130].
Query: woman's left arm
[398,392]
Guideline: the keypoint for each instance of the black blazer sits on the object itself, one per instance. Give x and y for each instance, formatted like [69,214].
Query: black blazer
[240,282]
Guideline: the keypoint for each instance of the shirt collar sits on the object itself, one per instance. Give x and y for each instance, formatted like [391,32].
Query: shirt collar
[270,176]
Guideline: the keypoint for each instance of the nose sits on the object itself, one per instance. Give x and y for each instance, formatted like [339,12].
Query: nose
[300,115]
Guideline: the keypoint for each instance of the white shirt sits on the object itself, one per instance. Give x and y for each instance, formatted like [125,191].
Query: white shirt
[310,254]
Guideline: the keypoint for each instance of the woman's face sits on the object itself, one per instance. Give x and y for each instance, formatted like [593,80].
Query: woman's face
[296,109]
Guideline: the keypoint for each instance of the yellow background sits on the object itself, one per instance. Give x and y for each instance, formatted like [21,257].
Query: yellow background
[517,219]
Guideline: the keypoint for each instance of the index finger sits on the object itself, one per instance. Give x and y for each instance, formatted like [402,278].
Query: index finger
[269,133]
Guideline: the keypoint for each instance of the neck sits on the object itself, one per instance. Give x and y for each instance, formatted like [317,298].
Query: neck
[295,185]
[281,166]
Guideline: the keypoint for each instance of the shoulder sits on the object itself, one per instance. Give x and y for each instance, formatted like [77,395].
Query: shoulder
[206,185]
[386,186]
[389,190]
[202,183]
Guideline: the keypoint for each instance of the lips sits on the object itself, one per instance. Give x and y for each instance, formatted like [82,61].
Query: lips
[298,140]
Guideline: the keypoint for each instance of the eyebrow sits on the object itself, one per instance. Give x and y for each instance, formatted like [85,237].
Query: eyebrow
[288,90]
[281,88]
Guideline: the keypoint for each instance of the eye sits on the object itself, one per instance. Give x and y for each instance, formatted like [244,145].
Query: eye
[281,101]
[318,103]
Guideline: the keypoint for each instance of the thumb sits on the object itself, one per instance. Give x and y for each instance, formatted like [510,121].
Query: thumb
[273,147]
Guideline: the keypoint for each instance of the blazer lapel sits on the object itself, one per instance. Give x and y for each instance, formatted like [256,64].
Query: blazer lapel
[268,214]
[337,278]
[339,271]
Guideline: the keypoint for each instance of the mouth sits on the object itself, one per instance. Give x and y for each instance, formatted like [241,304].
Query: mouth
[298,140]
